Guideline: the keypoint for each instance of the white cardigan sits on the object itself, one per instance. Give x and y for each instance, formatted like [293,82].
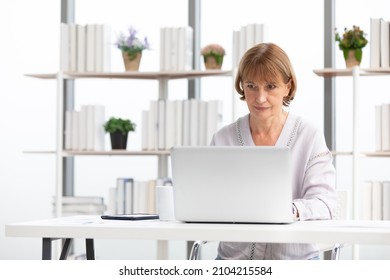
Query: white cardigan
[313,183]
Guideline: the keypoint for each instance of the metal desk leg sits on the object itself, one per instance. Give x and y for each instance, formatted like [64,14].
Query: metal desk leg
[66,248]
[90,249]
[46,248]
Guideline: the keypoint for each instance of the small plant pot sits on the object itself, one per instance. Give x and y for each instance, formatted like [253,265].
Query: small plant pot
[211,62]
[351,59]
[132,64]
[118,140]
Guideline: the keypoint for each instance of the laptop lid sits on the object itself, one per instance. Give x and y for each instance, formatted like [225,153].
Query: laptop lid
[232,184]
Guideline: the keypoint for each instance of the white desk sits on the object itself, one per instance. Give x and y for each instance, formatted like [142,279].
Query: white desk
[93,227]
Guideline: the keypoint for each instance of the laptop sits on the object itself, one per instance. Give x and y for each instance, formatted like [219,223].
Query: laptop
[232,184]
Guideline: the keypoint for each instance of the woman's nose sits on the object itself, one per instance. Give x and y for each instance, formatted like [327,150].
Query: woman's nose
[261,96]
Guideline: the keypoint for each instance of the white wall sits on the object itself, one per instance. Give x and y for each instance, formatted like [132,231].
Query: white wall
[31,45]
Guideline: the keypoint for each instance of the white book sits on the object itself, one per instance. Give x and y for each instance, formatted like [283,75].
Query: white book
[170,123]
[194,120]
[152,203]
[64,48]
[81,48]
[95,129]
[178,123]
[375,42]
[386,200]
[90,209]
[385,127]
[260,33]
[202,123]
[378,128]
[189,35]
[129,182]
[107,45]
[185,48]
[161,125]
[152,127]
[366,201]
[120,195]
[98,128]
[75,129]
[377,200]
[99,48]
[81,200]
[174,49]
[214,118]
[90,126]
[186,123]
[250,35]
[242,42]
[72,47]
[140,197]
[181,49]
[90,47]
[102,48]
[145,129]
[111,205]
[68,130]
[83,128]
[162,48]
[236,49]
[384,43]
[167,48]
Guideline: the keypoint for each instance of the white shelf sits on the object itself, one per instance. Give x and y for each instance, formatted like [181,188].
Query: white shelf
[331,72]
[117,153]
[169,75]
[341,153]
[105,153]
[377,154]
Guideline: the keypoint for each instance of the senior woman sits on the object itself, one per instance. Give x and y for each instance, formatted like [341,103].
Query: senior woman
[266,82]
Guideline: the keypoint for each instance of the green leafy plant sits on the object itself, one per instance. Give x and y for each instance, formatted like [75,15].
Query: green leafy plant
[214,50]
[352,39]
[119,125]
[131,44]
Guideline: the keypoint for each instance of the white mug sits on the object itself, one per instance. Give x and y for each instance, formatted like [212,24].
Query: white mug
[165,207]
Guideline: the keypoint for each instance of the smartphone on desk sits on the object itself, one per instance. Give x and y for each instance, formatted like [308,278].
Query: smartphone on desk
[130,217]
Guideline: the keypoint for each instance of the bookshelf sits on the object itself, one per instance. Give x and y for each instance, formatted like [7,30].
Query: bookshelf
[357,154]
[162,77]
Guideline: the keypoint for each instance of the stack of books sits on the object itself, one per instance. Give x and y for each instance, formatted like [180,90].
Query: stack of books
[81,205]
[85,48]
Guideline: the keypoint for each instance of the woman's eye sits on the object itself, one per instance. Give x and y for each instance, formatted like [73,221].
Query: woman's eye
[271,86]
[250,86]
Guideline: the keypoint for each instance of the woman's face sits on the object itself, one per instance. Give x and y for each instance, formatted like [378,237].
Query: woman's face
[265,98]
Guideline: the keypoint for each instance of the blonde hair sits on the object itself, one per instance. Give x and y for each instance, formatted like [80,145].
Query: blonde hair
[266,62]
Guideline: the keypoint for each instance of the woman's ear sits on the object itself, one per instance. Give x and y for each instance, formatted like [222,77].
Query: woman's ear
[288,88]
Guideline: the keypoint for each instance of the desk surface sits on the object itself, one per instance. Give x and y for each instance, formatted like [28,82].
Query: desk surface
[336,231]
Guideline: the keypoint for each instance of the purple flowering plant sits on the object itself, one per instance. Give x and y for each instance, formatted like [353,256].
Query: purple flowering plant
[131,44]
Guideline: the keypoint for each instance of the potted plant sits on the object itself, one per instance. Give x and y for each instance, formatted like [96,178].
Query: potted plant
[213,56]
[119,130]
[131,47]
[352,43]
